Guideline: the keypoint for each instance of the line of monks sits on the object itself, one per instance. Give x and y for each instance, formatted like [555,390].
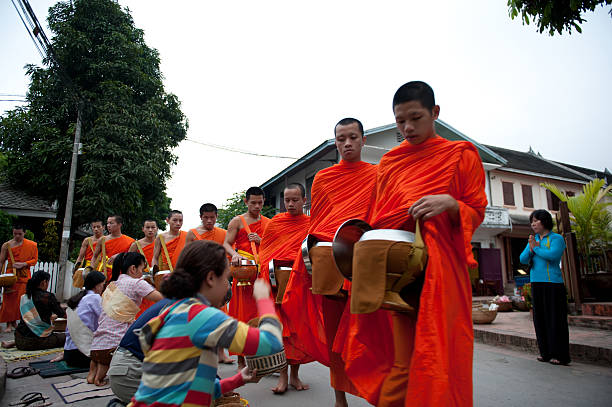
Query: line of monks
[389,358]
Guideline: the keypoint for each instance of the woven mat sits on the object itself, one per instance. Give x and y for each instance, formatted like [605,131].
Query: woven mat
[78,389]
[13,354]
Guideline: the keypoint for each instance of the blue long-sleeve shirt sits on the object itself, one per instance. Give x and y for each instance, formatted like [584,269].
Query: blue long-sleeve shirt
[546,259]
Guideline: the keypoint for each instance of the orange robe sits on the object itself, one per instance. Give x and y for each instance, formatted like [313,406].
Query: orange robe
[319,324]
[148,254]
[282,240]
[216,235]
[88,252]
[175,247]
[242,305]
[435,365]
[119,244]
[27,252]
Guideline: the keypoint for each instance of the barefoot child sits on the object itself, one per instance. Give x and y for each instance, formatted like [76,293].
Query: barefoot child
[120,304]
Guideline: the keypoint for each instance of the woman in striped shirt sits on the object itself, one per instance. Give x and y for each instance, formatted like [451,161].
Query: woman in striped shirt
[180,345]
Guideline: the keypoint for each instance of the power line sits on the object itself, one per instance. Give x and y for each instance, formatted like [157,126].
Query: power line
[13,100]
[10,94]
[235,150]
[42,55]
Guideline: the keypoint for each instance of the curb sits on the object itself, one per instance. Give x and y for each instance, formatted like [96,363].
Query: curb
[578,352]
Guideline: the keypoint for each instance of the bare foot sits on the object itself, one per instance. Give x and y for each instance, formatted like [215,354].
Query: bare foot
[8,344]
[101,383]
[90,378]
[58,358]
[340,399]
[226,360]
[241,363]
[297,384]
[8,329]
[281,386]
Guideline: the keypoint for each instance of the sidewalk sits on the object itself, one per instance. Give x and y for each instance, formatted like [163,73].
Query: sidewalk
[515,330]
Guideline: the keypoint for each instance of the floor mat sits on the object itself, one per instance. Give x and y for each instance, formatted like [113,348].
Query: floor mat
[53,369]
[13,354]
[78,389]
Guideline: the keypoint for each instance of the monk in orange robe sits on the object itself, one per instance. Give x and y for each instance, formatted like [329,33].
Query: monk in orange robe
[319,323]
[281,241]
[173,240]
[89,244]
[207,230]
[21,254]
[145,247]
[439,183]
[244,233]
[111,245]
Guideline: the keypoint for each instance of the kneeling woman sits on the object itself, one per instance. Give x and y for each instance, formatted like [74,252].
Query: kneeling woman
[82,314]
[120,304]
[37,305]
[180,345]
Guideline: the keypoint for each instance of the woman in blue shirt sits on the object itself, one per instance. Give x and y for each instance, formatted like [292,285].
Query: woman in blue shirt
[545,250]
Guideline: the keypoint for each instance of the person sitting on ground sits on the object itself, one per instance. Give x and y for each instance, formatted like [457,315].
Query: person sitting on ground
[82,314]
[39,308]
[120,304]
[184,338]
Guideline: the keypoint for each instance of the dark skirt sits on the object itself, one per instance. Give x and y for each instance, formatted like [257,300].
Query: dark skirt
[75,358]
[55,340]
[550,320]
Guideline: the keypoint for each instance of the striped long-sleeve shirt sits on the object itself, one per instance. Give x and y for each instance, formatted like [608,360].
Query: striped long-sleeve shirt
[180,346]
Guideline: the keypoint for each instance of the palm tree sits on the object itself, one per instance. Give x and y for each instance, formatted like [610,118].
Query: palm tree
[588,214]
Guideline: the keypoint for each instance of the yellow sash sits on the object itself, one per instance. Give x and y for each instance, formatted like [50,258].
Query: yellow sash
[163,244]
[117,305]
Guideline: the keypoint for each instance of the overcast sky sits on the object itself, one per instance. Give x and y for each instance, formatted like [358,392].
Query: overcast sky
[275,76]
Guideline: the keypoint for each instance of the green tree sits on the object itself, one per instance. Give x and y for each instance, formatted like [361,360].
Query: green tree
[554,15]
[6,226]
[130,124]
[588,213]
[235,206]
[49,246]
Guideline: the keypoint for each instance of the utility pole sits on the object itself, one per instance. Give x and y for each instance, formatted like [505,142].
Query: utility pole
[63,259]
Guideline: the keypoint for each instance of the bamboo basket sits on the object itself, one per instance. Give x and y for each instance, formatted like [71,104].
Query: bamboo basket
[504,306]
[481,315]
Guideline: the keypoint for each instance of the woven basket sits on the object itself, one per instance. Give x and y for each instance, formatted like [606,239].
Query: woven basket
[520,305]
[504,306]
[231,400]
[268,364]
[482,316]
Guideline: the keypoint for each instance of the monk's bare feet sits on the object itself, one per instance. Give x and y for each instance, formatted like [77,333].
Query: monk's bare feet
[283,381]
[223,358]
[58,358]
[295,381]
[241,363]
[340,399]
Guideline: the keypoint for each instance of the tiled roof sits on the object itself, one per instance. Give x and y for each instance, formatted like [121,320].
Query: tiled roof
[11,198]
[529,161]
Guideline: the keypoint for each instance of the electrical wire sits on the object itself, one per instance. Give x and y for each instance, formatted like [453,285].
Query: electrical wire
[42,55]
[235,150]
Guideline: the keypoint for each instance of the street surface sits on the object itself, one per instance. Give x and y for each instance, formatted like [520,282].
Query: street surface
[502,378]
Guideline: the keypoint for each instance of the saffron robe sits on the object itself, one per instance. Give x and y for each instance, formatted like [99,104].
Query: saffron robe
[175,247]
[216,235]
[148,254]
[435,368]
[316,323]
[88,252]
[26,252]
[242,306]
[282,240]
[119,244]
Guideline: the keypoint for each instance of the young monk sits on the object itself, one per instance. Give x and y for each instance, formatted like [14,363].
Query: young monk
[339,193]
[168,245]
[440,184]
[89,244]
[245,231]
[145,247]
[282,240]
[21,254]
[207,229]
[109,246]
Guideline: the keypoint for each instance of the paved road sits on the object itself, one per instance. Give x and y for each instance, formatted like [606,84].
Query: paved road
[502,378]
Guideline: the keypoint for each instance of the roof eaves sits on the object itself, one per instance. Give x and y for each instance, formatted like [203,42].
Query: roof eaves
[479,146]
[309,156]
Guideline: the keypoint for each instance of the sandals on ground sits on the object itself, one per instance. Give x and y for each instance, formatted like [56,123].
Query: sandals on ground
[22,371]
[33,399]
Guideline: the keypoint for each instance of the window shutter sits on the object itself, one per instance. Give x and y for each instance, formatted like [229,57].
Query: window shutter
[508,188]
[527,196]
